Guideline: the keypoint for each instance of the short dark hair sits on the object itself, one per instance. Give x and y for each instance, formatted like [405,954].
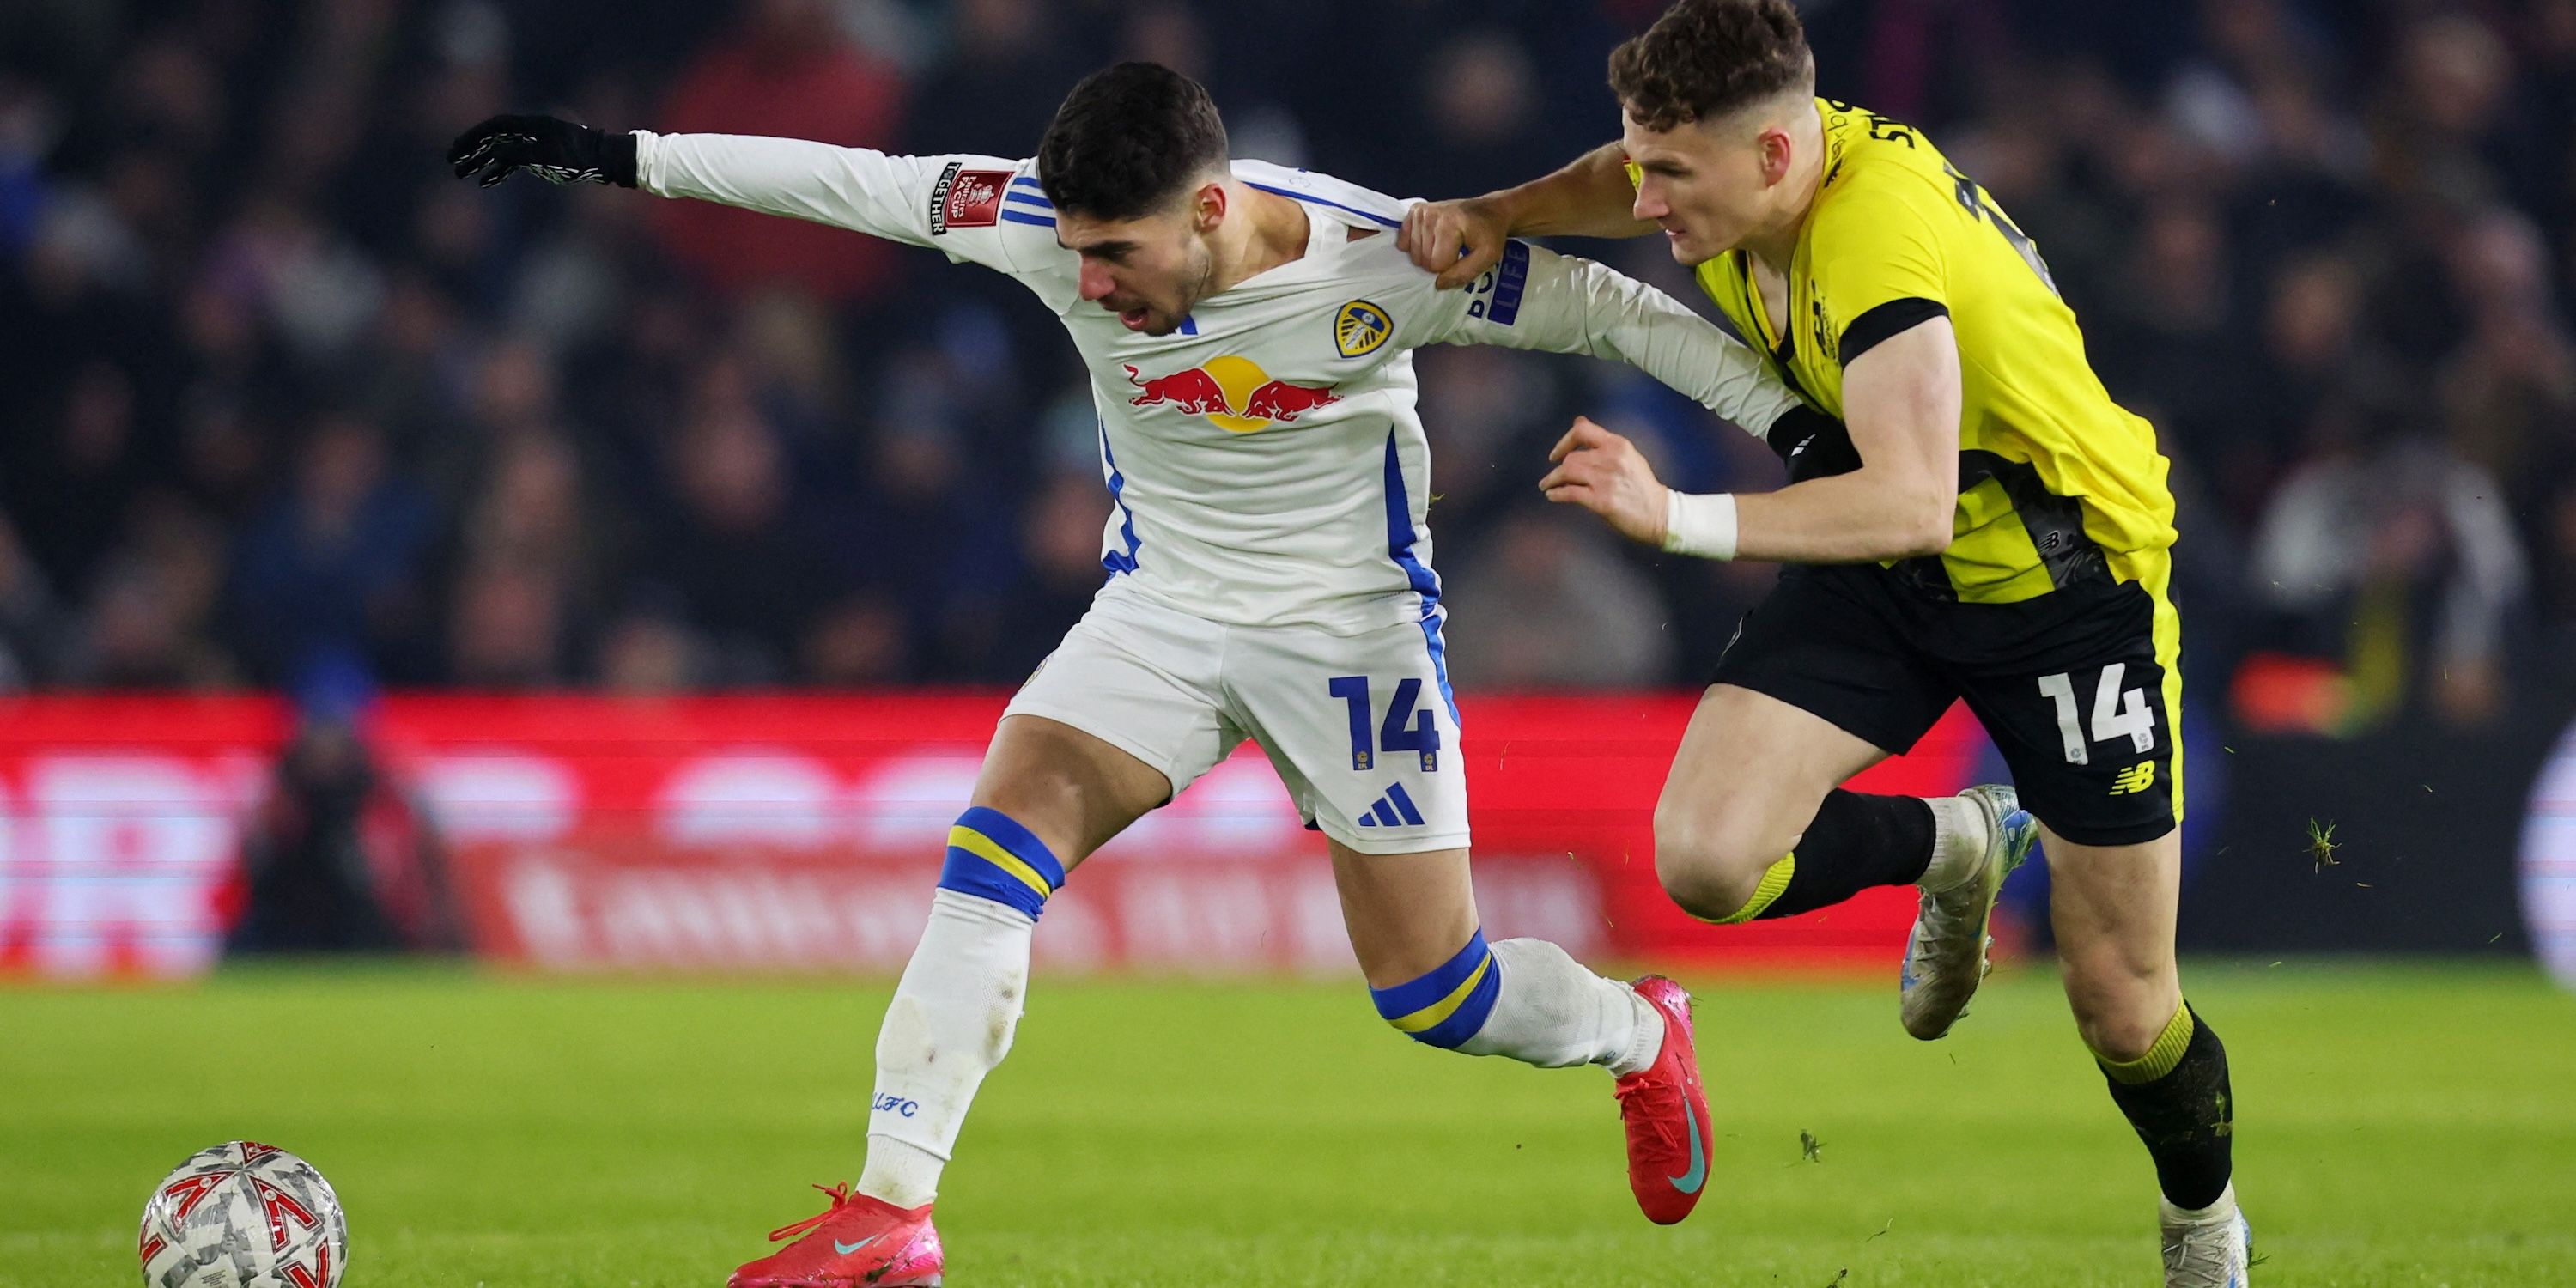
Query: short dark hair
[1706,58]
[1127,139]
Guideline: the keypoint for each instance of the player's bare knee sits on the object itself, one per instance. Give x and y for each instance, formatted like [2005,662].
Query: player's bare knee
[2120,1034]
[1709,866]
[2120,1009]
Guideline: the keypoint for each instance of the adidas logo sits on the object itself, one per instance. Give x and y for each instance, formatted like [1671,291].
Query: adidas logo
[1395,809]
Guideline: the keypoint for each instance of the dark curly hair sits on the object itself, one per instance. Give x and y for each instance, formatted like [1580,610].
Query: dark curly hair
[1127,139]
[1706,58]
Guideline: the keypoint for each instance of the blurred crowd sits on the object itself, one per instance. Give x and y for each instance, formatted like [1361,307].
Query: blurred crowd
[278,397]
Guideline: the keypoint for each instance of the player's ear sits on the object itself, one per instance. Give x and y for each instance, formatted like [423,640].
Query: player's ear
[1207,208]
[1777,154]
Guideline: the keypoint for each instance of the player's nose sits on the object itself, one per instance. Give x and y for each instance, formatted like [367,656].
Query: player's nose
[1096,283]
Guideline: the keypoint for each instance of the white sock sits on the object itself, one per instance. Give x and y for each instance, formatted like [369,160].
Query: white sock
[1553,1013]
[1958,841]
[949,1024]
[2223,1208]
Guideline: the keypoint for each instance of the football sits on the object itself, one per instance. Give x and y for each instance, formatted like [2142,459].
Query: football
[243,1215]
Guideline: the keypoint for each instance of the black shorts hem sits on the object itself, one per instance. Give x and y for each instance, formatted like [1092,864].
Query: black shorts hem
[2134,834]
[1850,717]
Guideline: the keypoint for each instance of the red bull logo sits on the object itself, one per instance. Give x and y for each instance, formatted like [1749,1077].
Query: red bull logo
[1234,393]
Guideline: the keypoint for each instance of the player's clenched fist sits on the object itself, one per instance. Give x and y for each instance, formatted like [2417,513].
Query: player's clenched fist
[1458,240]
[555,150]
[1607,475]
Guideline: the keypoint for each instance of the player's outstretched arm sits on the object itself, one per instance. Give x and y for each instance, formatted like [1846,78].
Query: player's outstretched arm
[1538,299]
[900,198]
[1459,240]
[1901,404]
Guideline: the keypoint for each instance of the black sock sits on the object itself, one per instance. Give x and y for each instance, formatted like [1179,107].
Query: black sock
[1856,842]
[2184,1112]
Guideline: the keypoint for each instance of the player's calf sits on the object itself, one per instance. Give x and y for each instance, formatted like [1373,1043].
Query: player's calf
[949,1024]
[2177,1097]
[1527,1000]
[959,1002]
[1732,873]
[2174,1090]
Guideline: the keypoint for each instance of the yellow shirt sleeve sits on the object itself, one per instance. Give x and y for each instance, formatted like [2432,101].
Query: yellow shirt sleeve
[1879,266]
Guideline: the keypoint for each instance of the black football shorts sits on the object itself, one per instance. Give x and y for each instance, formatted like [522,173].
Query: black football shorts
[2078,687]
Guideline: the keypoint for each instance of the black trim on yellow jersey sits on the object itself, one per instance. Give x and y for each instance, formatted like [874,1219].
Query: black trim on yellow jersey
[2055,524]
[1884,321]
[1811,443]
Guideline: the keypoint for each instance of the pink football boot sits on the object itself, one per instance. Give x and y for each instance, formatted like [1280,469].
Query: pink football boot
[1666,1114]
[858,1242]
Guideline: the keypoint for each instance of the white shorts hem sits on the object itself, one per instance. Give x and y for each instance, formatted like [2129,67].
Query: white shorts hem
[1090,723]
[1372,842]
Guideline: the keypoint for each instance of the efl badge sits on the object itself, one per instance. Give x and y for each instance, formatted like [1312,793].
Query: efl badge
[966,198]
[1360,328]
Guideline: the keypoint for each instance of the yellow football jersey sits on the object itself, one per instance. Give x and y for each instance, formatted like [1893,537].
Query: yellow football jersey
[2056,481]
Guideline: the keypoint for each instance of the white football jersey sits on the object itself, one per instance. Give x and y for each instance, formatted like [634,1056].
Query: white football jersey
[1266,460]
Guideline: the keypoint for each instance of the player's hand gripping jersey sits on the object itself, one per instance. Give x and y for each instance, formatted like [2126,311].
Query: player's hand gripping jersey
[2055,479]
[1267,462]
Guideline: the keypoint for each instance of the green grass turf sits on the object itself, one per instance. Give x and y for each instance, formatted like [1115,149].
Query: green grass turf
[2397,1126]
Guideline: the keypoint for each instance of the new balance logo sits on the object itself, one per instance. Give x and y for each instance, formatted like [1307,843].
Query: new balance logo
[1395,809]
[2134,779]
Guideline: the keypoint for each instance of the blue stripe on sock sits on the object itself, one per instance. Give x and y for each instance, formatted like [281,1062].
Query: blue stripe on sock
[1020,841]
[1412,995]
[1463,1023]
[967,872]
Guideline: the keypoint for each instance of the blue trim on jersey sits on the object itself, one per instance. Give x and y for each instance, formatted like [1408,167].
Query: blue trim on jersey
[1027,181]
[1320,201]
[1417,574]
[1115,561]
[1023,194]
[1190,325]
[1023,217]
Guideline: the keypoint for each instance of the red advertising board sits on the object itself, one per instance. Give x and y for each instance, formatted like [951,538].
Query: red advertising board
[797,832]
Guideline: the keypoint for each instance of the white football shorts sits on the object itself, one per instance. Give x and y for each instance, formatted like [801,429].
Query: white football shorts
[1361,728]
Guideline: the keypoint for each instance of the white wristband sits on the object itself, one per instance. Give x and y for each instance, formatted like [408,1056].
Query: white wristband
[1699,524]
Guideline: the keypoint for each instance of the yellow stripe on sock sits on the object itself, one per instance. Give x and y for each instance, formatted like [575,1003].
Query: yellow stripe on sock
[1774,881]
[1431,1016]
[2160,1059]
[985,848]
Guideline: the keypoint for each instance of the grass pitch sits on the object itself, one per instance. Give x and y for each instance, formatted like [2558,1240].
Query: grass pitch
[2396,1127]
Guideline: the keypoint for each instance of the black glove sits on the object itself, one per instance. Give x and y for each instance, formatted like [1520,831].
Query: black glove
[556,151]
